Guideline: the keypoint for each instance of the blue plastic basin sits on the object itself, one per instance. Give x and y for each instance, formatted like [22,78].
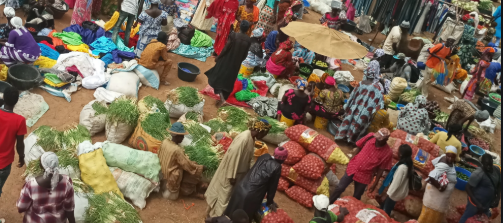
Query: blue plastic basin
[477,151]
[399,106]
[461,184]
[439,129]
[343,88]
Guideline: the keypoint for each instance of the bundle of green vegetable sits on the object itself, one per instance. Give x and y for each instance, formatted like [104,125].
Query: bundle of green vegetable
[155,124]
[110,208]
[216,125]
[192,115]
[408,97]
[80,187]
[462,176]
[99,108]
[442,117]
[50,139]
[151,100]
[74,136]
[123,110]
[277,126]
[188,96]
[305,70]
[235,117]
[330,72]
[67,158]
[201,150]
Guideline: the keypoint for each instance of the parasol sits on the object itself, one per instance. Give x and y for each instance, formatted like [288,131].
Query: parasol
[325,41]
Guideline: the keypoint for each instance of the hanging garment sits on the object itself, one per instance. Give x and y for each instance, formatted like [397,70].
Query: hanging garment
[451,28]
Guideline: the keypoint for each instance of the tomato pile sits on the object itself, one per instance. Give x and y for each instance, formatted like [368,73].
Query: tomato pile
[295,152]
[480,143]
[279,216]
[310,167]
[301,195]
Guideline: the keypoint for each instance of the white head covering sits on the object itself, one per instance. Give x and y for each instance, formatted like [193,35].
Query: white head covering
[9,12]
[451,149]
[16,22]
[50,162]
[321,202]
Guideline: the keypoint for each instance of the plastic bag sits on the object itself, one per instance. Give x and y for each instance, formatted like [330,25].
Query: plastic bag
[134,187]
[177,110]
[127,83]
[93,123]
[300,195]
[117,132]
[102,94]
[311,166]
[295,152]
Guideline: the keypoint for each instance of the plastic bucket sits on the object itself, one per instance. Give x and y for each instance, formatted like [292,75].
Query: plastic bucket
[439,129]
[320,123]
[318,72]
[477,151]
[399,106]
[246,71]
[461,184]
[187,71]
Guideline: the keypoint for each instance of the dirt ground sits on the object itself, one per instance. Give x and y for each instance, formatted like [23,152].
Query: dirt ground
[61,113]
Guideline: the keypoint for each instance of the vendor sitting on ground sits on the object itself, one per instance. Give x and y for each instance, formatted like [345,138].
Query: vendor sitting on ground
[256,55]
[329,102]
[414,118]
[463,111]
[155,55]
[5,28]
[180,174]
[21,47]
[333,19]
[399,68]
[262,179]
[444,139]
[323,213]
[302,52]
[294,104]
[281,62]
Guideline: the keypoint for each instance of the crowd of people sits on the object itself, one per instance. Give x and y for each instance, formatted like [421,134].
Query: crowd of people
[250,39]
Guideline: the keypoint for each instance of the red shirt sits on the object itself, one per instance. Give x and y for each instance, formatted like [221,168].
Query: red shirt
[11,125]
[363,165]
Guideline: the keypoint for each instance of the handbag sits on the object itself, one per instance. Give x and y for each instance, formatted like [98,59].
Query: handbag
[416,183]
[497,196]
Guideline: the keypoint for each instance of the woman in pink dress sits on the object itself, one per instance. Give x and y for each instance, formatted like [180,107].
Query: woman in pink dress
[479,73]
[81,11]
[225,12]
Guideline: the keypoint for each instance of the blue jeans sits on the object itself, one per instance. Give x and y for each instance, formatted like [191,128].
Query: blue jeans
[388,205]
[4,173]
[130,21]
[471,211]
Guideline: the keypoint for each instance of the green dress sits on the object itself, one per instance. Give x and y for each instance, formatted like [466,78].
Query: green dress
[330,218]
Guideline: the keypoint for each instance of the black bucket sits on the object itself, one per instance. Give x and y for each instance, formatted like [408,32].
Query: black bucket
[187,76]
[24,77]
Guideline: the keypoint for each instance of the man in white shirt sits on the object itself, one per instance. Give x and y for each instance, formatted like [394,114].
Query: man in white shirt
[129,10]
[390,46]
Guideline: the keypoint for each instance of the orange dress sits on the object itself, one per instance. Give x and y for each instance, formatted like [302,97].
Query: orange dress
[250,17]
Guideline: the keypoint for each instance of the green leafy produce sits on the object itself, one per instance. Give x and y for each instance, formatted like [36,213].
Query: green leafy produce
[67,158]
[99,108]
[330,72]
[235,117]
[192,115]
[188,96]
[151,100]
[110,208]
[277,126]
[462,176]
[80,187]
[441,117]
[74,136]
[216,125]
[155,124]
[300,75]
[123,110]
[201,150]
[33,168]
[51,140]
[306,70]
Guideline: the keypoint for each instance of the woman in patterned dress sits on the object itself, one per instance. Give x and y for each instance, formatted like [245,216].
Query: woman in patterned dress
[364,101]
[81,12]
[329,102]
[225,12]
[294,104]
[479,73]
[414,118]
[151,21]
[248,12]
[267,17]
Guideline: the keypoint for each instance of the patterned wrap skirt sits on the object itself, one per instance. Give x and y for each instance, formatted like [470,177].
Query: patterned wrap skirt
[266,19]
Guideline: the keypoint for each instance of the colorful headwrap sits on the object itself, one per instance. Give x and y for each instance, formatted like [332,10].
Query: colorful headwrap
[301,83]
[382,134]
[261,125]
[420,100]
[378,53]
[330,81]
[287,45]
[280,153]
[373,70]
[288,12]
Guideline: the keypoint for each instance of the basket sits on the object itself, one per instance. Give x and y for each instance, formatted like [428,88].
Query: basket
[494,96]
[24,77]
[318,67]
[58,13]
[476,151]
[461,184]
[308,66]
[187,76]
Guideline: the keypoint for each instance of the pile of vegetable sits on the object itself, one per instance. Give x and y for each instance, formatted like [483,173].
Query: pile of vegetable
[150,101]
[201,150]
[310,167]
[442,117]
[468,6]
[192,115]
[188,96]
[295,152]
[432,106]
[110,208]
[471,169]
[123,110]
[156,125]
[305,70]
[236,117]
[320,63]
[301,195]
[408,97]
[482,135]
[462,176]
[354,206]
[277,127]
[100,108]
[330,72]
[485,5]
[279,216]
[480,143]
[216,125]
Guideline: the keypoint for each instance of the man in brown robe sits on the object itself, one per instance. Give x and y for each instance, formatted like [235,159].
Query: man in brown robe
[180,174]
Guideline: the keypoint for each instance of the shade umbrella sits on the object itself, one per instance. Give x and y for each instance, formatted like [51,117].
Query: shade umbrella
[325,41]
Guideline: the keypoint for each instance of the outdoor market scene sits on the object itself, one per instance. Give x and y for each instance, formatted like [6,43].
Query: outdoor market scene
[240,111]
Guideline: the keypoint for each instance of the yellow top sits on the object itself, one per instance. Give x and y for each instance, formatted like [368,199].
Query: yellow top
[441,140]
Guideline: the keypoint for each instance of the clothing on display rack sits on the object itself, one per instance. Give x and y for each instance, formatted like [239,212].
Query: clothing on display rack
[451,28]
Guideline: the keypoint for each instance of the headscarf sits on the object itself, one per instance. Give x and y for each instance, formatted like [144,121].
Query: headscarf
[482,115]
[475,16]
[420,100]
[270,41]
[379,53]
[321,202]
[16,22]
[9,12]
[330,81]
[50,163]
[382,134]
[287,45]
[373,71]
[257,32]
[451,149]
[301,83]
[261,125]
[280,153]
